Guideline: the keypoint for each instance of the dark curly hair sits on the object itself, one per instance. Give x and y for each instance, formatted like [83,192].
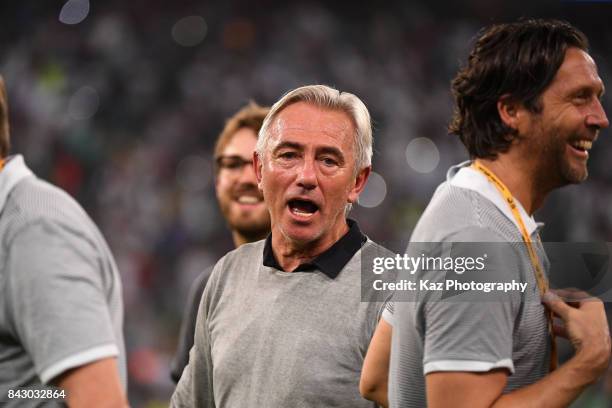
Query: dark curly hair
[518,60]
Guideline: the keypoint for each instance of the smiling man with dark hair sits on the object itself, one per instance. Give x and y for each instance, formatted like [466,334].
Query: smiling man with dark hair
[528,110]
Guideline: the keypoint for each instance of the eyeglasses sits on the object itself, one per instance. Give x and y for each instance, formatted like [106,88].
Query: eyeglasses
[232,163]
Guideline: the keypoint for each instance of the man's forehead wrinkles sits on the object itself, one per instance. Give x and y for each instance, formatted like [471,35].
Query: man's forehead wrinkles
[311,125]
[591,83]
[578,75]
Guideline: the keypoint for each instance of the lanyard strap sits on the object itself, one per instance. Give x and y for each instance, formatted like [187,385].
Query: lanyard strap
[541,280]
[501,187]
[1,163]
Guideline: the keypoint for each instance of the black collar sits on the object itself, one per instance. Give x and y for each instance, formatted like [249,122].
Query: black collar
[329,262]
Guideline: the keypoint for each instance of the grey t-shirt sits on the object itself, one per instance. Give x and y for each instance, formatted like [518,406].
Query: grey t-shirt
[432,336]
[60,292]
[268,338]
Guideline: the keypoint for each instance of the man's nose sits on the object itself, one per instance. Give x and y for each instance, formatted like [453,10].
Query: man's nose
[307,175]
[597,117]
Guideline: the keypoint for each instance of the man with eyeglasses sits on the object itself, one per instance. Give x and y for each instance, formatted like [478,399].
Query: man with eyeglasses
[240,201]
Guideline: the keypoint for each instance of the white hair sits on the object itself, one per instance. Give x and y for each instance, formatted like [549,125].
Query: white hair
[326,97]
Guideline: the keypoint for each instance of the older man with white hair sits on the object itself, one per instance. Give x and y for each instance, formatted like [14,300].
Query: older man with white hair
[281,322]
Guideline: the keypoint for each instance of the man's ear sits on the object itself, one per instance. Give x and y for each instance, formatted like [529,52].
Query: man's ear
[510,111]
[257,163]
[360,183]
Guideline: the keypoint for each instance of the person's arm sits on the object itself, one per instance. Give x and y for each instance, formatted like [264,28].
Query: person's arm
[585,326]
[60,313]
[94,385]
[375,372]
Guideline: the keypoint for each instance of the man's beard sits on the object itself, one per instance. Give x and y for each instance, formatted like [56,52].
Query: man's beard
[252,229]
[252,226]
[555,167]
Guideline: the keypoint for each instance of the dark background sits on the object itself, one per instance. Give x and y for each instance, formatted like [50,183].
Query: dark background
[120,103]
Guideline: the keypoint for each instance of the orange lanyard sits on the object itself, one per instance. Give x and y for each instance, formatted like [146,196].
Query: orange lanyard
[1,164]
[541,280]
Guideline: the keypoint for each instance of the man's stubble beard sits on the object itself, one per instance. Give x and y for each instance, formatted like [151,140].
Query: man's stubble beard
[253,228]
[554,165]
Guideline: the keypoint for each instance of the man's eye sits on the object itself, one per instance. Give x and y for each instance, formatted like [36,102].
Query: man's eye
[234,164]
[287,155]
[582,97]
[328,161]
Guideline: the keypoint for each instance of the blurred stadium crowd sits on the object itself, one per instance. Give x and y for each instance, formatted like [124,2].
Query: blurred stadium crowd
[119,103]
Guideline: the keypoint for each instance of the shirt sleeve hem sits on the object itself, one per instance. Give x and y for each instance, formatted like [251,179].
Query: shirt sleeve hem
[467,365]
[388,316]
[78,359]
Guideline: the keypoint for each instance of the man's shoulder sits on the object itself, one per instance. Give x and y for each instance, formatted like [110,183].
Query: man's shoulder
[452,210]
[371,247]
[246,255]
[238,265]
[246,251]
[449,199]
[37,206]
[34,198]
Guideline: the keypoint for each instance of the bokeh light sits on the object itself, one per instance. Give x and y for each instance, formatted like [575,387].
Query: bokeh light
[422,155]
[84,103]
[374,192]
[74,11]
[189,31]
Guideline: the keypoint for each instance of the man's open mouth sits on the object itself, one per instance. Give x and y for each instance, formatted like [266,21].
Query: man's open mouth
[303,208]
[582,145]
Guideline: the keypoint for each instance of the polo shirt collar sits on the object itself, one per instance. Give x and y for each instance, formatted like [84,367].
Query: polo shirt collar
[13,172]
[464,176]
[329,262]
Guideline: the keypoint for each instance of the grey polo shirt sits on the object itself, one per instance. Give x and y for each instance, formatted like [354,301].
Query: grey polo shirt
[60,292]
[269,338]
[433,336]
